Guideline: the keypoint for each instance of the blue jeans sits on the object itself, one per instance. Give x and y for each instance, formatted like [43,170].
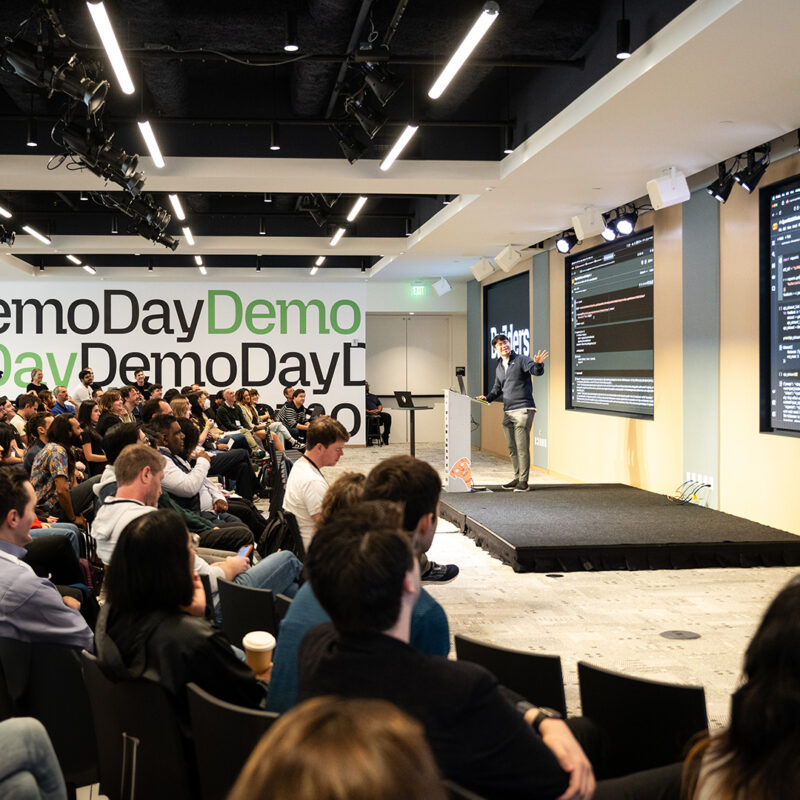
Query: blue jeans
[28,765]
[64,529]
[517,429]
[278,572]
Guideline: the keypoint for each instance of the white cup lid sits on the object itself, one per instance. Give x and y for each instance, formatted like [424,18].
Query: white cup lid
[259,640]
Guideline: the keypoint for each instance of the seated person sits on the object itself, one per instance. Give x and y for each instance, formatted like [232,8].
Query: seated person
[29,768]
[91,440]
[306,485]
[152,408]
[36,384]
[11,453]
[27,405]
[374,408]
[62,404]
[37,436]
[152,624]
[31,608]
[230,418]
[483,736]
[256,421]
[294,415]
[340,750]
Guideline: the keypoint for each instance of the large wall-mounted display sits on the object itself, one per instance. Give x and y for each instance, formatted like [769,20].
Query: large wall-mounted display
[506,309]
[609,327]
[780,306]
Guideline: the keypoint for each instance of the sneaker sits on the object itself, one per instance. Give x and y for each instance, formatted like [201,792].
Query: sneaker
[440,573]
[299,446]
[522,487]
[511,485]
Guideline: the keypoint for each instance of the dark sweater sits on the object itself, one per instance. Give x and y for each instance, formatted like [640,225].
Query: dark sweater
[515,385]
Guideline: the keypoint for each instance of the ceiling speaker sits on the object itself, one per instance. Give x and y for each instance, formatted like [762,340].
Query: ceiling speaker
[483,269]
[668,190]
[509,257]
[588,224]
[441,287]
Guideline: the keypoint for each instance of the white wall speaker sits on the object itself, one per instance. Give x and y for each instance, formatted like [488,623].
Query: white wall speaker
[508,258]
[441,287]
[482,269]
[668,190]
[588,224]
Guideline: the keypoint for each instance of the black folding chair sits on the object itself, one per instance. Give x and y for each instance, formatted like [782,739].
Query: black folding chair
[141,750]
[245,609]
[282,603]
[535,676]
[44,681]
[647,723]
[224,736]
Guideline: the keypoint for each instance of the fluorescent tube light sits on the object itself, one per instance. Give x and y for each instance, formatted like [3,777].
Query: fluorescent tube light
[320,261]
[5,213]
[103,25]
[198,260]
[337,236]
[203,270]
[40,236]
[74,260]
[399,146]
[90,270]
[152,145]
[487,16]
[176,204]
[187,234]
[314,269]
[357,206]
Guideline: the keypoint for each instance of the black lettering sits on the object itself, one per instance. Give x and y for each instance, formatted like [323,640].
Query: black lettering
[247,378]
[324,379]
[108,312]
[299,369]
[5,313]
[192,326]
[230,378]
[20,305]
[94,311]
[348,381]
[353,410]
[127,370]
[177,361]
[99,377]
[162,316]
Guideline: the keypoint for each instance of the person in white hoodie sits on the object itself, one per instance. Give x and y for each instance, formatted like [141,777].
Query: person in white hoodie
[139,470]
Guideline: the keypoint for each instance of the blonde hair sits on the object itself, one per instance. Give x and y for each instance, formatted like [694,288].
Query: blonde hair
[345,492]
[179,406]
[330,748]
[133,459]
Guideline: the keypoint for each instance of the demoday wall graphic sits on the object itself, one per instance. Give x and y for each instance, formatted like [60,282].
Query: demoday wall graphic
[261,334]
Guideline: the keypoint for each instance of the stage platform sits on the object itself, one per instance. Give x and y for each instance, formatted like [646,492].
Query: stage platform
[566,528]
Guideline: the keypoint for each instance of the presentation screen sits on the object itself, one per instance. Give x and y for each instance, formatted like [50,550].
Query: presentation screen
[780,306]
[609,327]
[506,309]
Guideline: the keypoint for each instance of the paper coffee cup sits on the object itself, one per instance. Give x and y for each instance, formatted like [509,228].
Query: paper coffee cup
[258,647]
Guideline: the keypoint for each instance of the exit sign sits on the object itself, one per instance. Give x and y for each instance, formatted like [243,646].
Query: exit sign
[417,291]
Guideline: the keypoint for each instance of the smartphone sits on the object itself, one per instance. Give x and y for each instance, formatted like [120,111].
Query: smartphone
[245,551]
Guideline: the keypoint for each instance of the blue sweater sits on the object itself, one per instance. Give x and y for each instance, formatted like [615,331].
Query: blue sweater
[430,634]
[515,385]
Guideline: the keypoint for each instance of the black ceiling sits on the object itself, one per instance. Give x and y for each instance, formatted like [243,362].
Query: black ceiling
[186,60]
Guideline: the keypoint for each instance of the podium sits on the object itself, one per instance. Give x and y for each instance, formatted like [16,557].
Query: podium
[458,441]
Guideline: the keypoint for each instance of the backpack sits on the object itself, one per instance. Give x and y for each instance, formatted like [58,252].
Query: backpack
[281,533]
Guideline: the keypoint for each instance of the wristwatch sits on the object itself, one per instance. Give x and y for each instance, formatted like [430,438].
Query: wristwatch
[545,713]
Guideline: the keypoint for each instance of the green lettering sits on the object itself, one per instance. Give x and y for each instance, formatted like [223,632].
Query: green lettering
[250,315]
[212,318]
[22,376]
[61,380]
[302,309]
[335,316]
[6,356]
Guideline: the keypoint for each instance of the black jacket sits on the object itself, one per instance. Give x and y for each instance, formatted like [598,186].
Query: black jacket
[515,385]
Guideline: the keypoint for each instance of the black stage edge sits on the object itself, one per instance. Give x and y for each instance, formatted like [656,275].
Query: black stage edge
[610,526]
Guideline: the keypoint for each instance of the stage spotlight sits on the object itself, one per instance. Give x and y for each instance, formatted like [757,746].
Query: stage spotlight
[609,232]
[368,118]
[348,144]
[566,241]
[382,83]
[720,189]
[749,177]
[315,206]
[7,237]
[626,222]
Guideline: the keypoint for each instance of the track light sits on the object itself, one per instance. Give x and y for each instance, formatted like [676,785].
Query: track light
[84,197]
[357,206]
[5,213]
[267,197]
[290,42]
[262,228]
[103,25]
[749,177]
[720,189]
[352,148]
[31,139]
[370,120]
[36,235]
[74,260]
[187,234]
[487,16]
[508,146]
[152,145]
[382,83]
[566,241]
[626,222]
[404,138]
[6,237]
[177,207]
[623,36]
[149,219]
[90,270]
[274,144]
[337,236]
[609,232]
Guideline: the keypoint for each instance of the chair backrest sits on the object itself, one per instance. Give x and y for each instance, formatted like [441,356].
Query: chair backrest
[206,581]
[224,736]
[44,681]
[647,723]
[142,753]
[245,609]
[536,677]
[282,603]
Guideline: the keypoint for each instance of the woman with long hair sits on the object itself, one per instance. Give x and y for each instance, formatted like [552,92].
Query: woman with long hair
[330,748]
[756,757]
[91,440]
[46,400]
[209,436]
[112,409]
[250,413]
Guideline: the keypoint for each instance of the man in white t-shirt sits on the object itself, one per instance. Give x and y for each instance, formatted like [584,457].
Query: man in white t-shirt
[306,485]
[83,391]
